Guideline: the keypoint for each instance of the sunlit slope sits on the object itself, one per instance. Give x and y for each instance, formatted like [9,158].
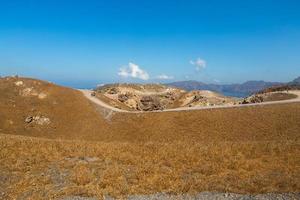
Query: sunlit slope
[37,108]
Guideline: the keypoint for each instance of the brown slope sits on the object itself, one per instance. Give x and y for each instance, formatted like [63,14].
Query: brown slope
[71,115]
[271,122]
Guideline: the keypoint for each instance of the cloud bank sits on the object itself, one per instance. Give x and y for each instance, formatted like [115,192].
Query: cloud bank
[133,71]
[198,63]
[164,77]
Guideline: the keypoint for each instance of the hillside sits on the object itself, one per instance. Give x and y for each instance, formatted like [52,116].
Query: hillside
[150,97]
[83,151]
[292,85]
[239,90]
[37,108]
[72,116]
[138,97]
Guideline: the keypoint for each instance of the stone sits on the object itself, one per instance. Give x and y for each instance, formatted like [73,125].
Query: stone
[42,95]
[40,120]
[29,119]
[113,91]
[253,99]
[148,103]
[19,83]
[123,97]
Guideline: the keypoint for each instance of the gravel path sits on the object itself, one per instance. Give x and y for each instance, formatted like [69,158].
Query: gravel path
[219,196]
[201,196]
[87,94]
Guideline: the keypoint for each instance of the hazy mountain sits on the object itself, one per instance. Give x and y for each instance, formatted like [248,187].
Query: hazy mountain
[293,85]
[296,81]
[238,90]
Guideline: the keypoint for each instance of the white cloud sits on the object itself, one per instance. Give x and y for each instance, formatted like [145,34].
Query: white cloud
[164,77]
[133,71]
[199,63]
[100,85]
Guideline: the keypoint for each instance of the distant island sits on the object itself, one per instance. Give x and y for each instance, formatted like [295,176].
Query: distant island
[235,90]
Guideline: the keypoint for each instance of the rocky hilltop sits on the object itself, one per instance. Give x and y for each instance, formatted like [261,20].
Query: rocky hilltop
[149,97]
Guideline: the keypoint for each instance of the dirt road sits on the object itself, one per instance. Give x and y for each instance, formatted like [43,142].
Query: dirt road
[87,94]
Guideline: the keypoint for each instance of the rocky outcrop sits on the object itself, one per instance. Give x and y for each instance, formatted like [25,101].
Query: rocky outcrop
[197,98]
[19,83]
[149,103]
[123,97]
[157,97]
[112,91]
[40,120]
[253,99]
[28,119]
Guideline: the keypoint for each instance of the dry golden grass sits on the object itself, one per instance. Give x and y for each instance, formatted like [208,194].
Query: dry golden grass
[45,169]
[279,96]
[69,111]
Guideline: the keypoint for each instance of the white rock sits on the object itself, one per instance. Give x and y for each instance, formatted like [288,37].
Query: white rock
[42,95]
[19,83]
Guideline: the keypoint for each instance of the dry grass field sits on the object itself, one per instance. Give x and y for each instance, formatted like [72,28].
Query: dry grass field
[44,169]
[240,150]
[279,96]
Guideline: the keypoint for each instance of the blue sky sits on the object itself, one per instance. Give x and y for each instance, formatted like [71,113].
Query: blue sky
[82,43]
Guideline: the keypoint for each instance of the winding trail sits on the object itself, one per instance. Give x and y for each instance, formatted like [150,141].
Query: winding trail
[87,94]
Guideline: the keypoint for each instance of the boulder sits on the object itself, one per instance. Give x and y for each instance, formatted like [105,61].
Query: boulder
[149,103]
[123,97]
[113,91]
[40,120]
[197,98]
[253,99]
[28,119]
[257,99]
[42,95]
[19,83]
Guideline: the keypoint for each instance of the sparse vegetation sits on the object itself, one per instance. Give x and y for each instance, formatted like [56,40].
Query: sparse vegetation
[42,168]
[281,88]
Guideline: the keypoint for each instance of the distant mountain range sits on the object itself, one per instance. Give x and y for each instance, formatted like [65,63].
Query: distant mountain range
[237,90]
